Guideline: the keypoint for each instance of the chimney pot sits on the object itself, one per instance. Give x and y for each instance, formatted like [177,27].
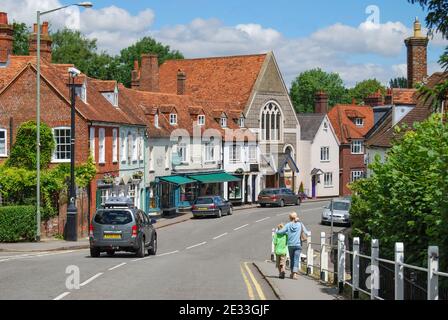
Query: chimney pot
[321,102]
[181,82]
[6,38]
[417,47]
[3,18]
[45,42]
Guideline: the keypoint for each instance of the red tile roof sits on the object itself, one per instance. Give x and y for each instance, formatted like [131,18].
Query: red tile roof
[345,128]
[404,96]
[218,79]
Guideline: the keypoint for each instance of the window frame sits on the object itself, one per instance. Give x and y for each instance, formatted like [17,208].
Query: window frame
[115,145]
[6,142]
[54,159]
[101,145]
[271,122]
[209,152]
[361,124]
[355,144]
[356,175]
[325,151]
[223,122]
[173,116]
[92,146]
[134,156]
[201,123]
[184,158]
[235,153]
[123,143]
[326,180]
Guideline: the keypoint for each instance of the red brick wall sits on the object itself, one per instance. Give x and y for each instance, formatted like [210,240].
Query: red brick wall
[417,60]
[348,163]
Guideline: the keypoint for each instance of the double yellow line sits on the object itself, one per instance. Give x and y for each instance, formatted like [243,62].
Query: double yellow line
[249,284]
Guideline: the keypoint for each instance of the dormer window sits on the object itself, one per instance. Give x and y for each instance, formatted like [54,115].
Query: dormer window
[115,103]
[201,120]
[173,119]
[325,127]
[156,120]
[359,122]
[242,122]
[223,122]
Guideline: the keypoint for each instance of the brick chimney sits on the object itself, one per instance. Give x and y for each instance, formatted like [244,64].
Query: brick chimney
[374,100]
[389,98]
[135,76]
[321,102]
[6,38]
[417,56]
[181,82]
[45,42]
[149,73]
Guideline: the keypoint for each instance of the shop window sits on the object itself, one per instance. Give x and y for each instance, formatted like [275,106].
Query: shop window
[235,190]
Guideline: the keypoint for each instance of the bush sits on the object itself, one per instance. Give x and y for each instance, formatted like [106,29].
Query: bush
[17,223]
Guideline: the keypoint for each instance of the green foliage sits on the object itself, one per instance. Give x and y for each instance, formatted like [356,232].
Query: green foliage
[443,61]
[23,153]
[301,188]
[84,173]
[366,88]
[21,35]
[436,95]
[17,223]
[308,83]
[406,198]
[400,82]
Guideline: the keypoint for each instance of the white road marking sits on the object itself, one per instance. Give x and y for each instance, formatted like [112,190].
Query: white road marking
[118,266]
[223,235]
[299,212]
[141,259]
[197,245]
[91,279]
[62,296]
[37,255]
[236,229]
[168,253]
[263,220]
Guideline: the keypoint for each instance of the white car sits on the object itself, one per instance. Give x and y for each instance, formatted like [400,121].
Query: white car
[341,212]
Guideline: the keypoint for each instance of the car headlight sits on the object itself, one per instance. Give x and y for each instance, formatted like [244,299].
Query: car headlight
[325,214]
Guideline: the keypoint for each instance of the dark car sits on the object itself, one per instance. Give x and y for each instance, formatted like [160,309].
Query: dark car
[119,226]
[211,206]
[278,197]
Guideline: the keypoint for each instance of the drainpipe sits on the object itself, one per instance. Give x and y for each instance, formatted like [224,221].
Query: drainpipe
[11,134]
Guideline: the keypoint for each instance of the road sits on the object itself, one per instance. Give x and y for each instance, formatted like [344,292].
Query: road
[200,259]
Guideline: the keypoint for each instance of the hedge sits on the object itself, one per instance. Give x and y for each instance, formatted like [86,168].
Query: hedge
[17,223]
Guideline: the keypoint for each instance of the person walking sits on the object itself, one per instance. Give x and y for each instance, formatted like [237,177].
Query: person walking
[296,232]
[281,250]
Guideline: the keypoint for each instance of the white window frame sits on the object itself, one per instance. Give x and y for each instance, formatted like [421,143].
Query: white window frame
[156,120]
[123,146]
[102,145]
[209,152]
[173,119]
[5,154]
[328,180]
[357,147]
[359,122]
[116,97]
[141,147]
[115,145]
[54,158]
[223,122]
[134,146]
[184,156]
[271,111]
[92,143]
[241,122]
[151,158]
[252,153]
[356,175]
[325,154]
[235,153]
[201,120]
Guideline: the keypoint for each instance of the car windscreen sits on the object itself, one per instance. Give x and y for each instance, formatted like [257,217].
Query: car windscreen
[341,206]
[269,192]
[204,201]
[113,217]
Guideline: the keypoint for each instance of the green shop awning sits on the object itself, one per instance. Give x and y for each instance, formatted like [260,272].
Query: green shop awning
[179,180]
[215,178]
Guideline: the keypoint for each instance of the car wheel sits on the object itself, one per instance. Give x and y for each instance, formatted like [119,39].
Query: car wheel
[111,253]
[219,215]
[153,250]
[230,211]
[95,252]
[298,202]
[282,203]
[141,249]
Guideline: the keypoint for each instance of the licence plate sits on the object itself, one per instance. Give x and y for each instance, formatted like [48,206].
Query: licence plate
[203,209]
[112,236]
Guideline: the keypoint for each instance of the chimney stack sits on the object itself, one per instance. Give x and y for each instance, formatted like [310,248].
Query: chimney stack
[389,98]
[45,42]
[374,100]
[135,76]
[417,56]
[181,82]
[6,38]
[149,73]
[321,102]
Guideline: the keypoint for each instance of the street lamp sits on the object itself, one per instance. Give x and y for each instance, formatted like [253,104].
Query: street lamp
[39,14]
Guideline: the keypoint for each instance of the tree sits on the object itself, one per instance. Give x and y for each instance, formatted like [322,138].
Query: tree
[134,52]
[400,82]
[406,198]
[308,83]
[21,36]
[23,153]
[366,88]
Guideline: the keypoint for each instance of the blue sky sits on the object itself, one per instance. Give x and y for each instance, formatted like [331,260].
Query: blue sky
[333,35]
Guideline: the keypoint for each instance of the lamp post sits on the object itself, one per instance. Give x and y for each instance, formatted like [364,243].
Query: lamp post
[39,14]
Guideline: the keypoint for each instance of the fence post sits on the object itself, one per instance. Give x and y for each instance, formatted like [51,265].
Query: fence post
[341,262]
[272,246]
[375,270]
[323,258]
[399,271]
[355,276]
[433,278]
[310,256]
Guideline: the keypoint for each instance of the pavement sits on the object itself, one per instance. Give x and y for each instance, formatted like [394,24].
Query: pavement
[198,259]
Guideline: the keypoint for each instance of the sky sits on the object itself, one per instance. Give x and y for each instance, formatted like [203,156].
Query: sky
[356,38]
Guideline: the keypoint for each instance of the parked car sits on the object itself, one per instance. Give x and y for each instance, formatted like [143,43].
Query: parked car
[211,206]
[278,197]
[119,226]
[341,212]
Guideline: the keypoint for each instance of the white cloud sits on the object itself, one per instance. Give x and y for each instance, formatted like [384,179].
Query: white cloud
[332,48]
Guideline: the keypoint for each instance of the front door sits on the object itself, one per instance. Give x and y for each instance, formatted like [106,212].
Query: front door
[314,187]
[254,189]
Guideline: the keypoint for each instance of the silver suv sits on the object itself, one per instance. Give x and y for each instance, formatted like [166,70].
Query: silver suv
[119,226]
